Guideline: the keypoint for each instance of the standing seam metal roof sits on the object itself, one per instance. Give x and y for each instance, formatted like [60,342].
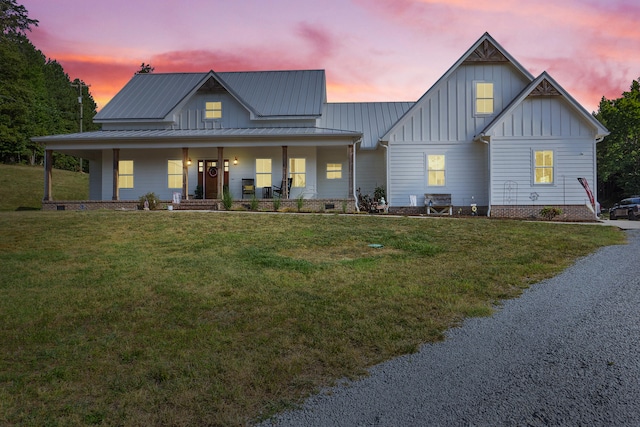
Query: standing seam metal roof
[268,93]
[372,119]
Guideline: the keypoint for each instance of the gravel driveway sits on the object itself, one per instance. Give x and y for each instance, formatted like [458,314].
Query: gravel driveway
[564,353]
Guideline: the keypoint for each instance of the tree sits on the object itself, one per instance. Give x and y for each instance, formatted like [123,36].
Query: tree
[14,19]
[36,95]
[145,69]
[619,153]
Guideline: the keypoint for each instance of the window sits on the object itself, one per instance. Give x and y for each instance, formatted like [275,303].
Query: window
[213,110]
[484,98]
[125,174]
[263,173]
[543,168]
[174,172]
[334,170]
[297,171]
[435,170]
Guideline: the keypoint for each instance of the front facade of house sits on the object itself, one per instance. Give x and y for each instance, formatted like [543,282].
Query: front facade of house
[488,134]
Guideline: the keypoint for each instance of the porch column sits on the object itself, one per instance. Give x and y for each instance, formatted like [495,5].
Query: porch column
[220,172]
[48,165]
[185,174]
[351,177]
[285,172]
[116,173]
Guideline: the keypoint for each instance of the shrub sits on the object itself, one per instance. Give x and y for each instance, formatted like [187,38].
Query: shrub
[254,203]
[276,203]
[197,193]
[227,200]
[153,200]
[300,202]
[549,212]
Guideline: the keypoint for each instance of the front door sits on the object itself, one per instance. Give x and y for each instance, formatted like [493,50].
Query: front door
[208,175]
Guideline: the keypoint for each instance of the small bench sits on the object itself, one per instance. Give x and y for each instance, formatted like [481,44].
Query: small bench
[438,204]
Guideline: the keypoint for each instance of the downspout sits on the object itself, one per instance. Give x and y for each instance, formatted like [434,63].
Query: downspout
[386,172]
[355,184]
[482,137]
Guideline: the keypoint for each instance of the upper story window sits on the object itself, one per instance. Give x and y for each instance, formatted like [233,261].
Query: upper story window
[543,167]
[484,98]
[213,110]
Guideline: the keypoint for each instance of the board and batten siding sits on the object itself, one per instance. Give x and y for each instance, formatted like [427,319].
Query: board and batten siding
[446,112]
[443,122]
[370,170]
[542,123]
[466,173]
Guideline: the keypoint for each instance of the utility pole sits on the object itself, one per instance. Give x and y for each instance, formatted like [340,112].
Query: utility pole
[80,85]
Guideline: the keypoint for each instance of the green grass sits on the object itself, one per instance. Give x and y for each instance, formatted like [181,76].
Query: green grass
[22,187]
[166,318]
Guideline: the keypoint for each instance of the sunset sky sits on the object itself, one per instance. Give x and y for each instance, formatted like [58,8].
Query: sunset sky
[372,50]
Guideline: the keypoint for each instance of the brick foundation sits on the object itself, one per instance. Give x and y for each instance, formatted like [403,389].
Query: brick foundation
[569,212]
[286,205]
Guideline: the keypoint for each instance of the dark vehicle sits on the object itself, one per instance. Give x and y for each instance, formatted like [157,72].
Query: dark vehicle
[627,208]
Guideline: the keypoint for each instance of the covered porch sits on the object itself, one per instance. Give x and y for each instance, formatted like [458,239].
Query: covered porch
[125,165]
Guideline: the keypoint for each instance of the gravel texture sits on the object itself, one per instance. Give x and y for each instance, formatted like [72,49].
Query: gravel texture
[564,353]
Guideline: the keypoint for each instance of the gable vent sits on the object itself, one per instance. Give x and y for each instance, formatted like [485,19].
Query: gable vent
[544,89]
[212,86]
[486,52]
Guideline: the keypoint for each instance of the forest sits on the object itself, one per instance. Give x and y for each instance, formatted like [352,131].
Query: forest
[37,97]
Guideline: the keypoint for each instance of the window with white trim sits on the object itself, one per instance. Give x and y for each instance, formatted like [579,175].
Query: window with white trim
[484,98]
[543,167]
[125,174]
[263,173]
[436,170]
[334,170]
[213,110]
[174,173]
[298,172]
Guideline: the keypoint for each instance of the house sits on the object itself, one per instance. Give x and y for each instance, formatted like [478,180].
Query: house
[488,134]
[496,138]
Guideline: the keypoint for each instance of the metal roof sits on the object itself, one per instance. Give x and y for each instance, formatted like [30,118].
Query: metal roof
[104,135]
[372,119]
[266,93]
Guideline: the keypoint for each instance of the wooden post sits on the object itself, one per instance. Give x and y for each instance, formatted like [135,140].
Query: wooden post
[48,165]
[185,174]
[116,173]
[285,172]
[351,168]
[220,172]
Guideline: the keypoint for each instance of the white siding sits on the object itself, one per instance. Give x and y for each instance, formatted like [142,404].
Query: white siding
[466,174]
[370,170]
[544,117]
[446,113]
[512,166]
[333,188]
[443,122]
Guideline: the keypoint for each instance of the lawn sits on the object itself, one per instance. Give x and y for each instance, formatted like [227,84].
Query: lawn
[224,318]
[22,187]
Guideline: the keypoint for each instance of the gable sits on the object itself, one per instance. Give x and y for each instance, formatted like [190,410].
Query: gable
[445,112]
[544,109]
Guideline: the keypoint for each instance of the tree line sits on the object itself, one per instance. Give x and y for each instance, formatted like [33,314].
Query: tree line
[37,97]
[619,153]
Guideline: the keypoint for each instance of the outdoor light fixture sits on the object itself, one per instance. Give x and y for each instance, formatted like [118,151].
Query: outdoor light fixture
[235,161]
[189,161]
